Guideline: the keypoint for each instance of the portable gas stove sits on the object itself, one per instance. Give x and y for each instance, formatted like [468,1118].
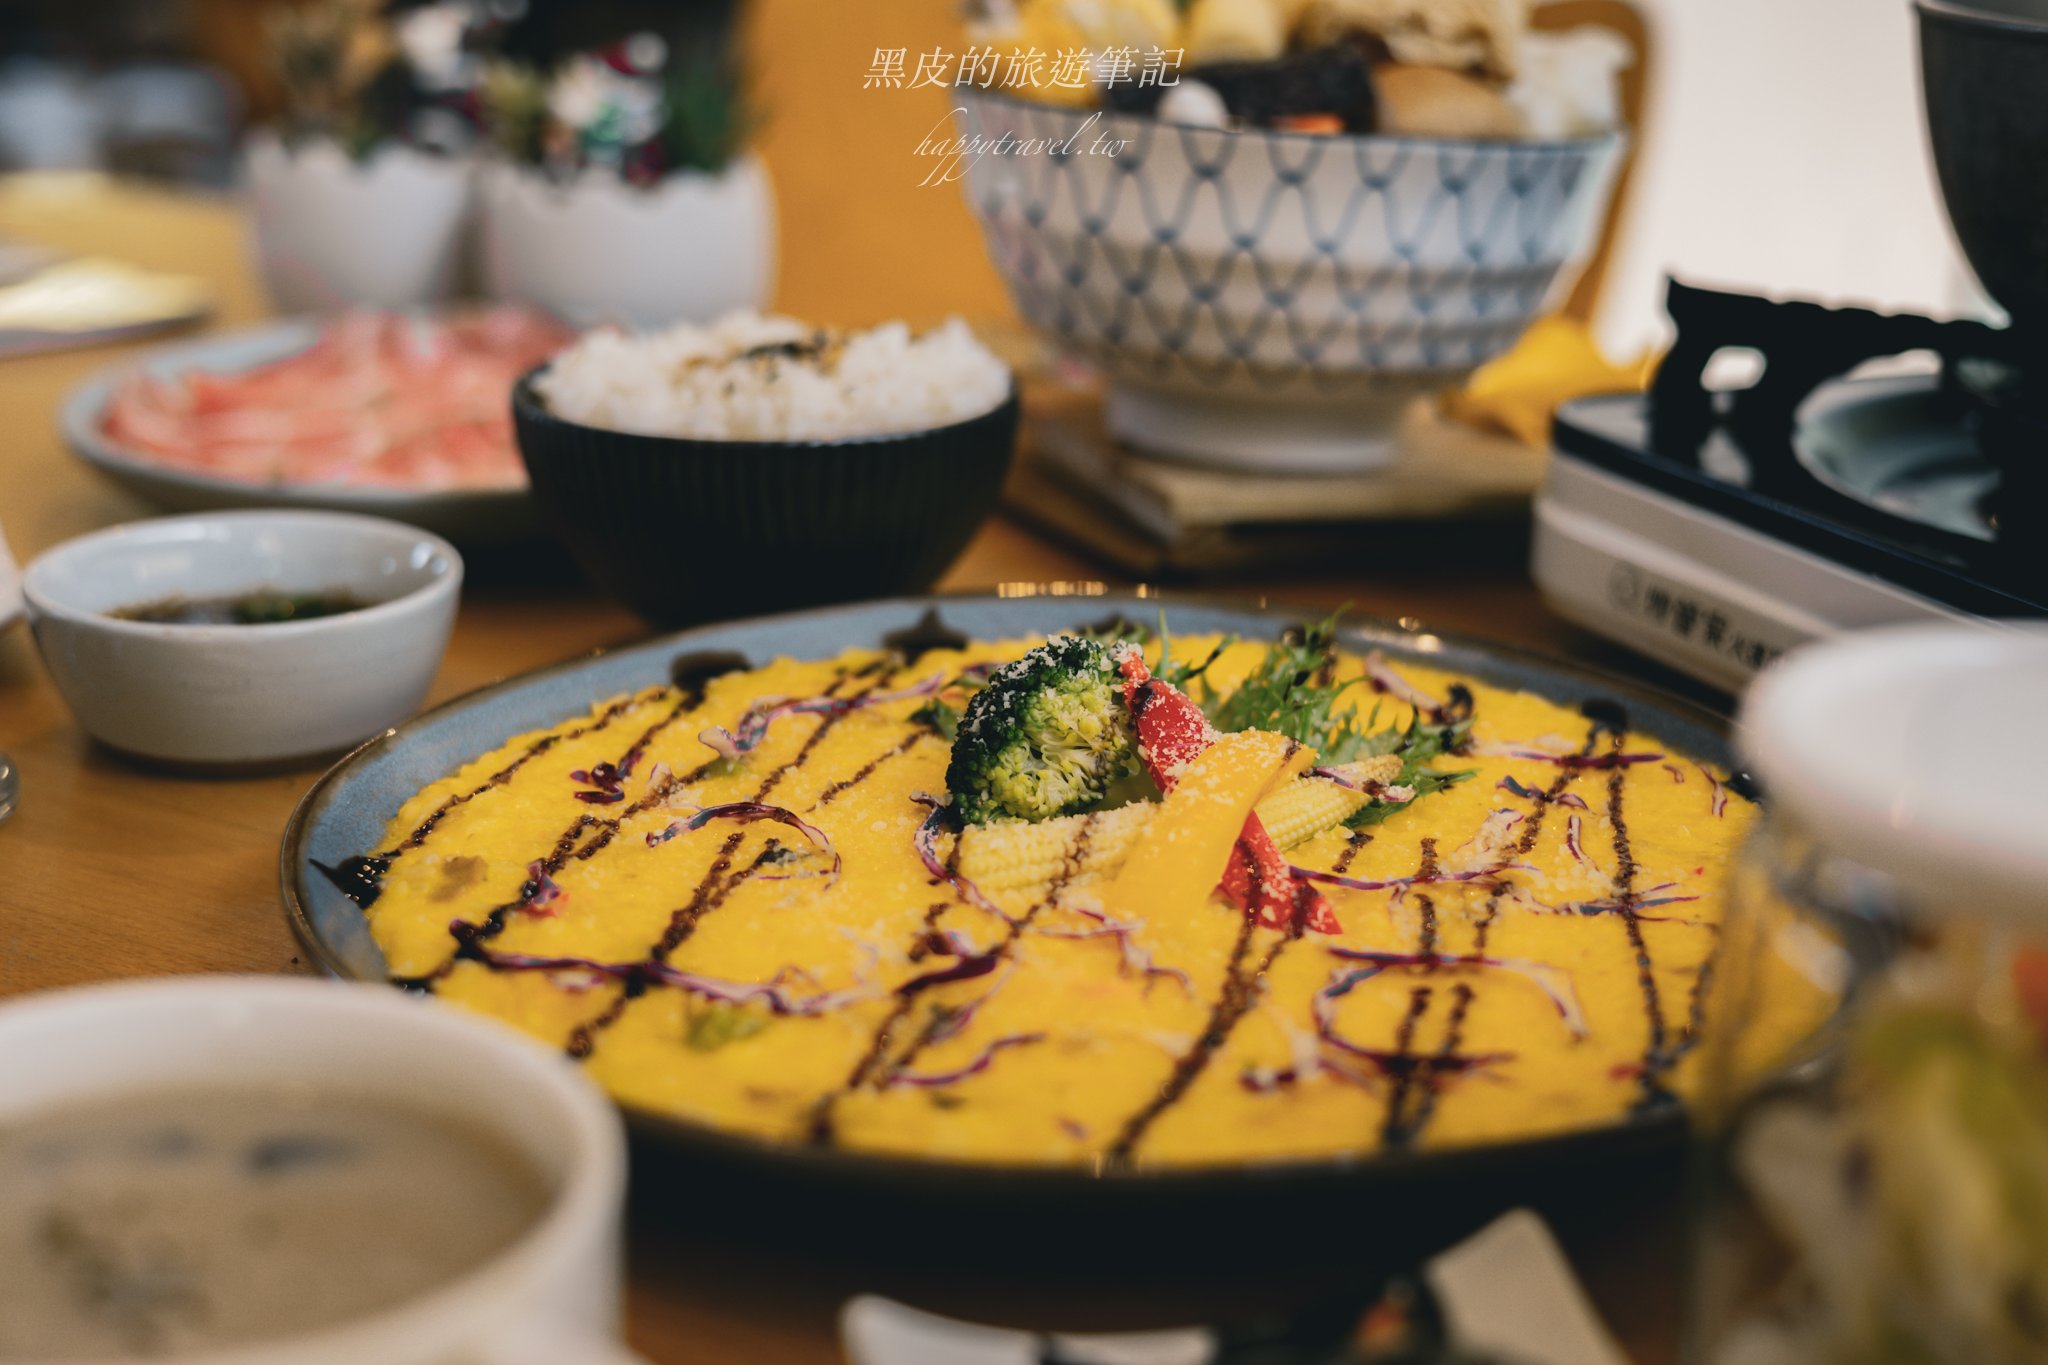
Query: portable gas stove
[1713,530]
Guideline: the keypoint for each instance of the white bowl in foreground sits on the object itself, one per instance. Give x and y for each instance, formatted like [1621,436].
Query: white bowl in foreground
[551,1295]
[1274,300]
[244,694]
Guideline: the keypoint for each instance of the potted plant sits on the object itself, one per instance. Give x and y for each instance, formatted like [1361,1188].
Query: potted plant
[622,191]
[361,192]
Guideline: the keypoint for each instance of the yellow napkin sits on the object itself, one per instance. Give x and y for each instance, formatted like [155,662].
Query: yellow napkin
[1555,361]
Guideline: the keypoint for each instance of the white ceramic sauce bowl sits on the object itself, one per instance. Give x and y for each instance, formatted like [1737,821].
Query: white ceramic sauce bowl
[244,694]
[550,1296]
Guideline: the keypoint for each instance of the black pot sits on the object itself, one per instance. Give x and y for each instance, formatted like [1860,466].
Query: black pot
[1984,71]
[685,531]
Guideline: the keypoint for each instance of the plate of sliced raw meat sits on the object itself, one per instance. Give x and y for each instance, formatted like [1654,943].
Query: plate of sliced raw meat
[396,414]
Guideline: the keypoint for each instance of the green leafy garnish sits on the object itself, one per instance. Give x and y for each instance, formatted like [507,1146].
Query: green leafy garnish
[1291,692]
[1185,676]
[941,717]
[714,1024]
[1118,629]
[1417,745]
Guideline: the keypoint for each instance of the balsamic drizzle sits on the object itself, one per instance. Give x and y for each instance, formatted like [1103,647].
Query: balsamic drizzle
[716,886]
[1240,990]
[361,878]
[693,672]
[1446,1057]
[820,1128]
[1070,867]
[469,937]
[720,880]
[1658,1058]
[929,633]
[1531,831]
[1427,870]
[1415,1075]
[602,721]
[682,922]
[928,941]
[1352,848]
[1400,1127]
[874,1058]
[1406,1068]
[867,770]
[583,1038]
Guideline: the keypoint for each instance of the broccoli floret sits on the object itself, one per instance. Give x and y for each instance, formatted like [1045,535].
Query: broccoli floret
[1045,737]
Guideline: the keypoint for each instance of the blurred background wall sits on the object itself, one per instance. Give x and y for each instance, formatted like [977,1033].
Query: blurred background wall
[1784,151]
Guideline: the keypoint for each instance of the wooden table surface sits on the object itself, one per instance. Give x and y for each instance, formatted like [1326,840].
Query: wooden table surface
[108,870]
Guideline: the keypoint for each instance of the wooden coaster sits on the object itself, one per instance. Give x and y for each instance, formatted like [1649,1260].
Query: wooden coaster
[1151,516]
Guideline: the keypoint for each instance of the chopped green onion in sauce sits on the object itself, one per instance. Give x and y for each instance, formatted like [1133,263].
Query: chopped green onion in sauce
[260,608]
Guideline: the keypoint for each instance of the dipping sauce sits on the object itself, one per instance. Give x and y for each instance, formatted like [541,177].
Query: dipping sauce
[158,1225]
[260,608]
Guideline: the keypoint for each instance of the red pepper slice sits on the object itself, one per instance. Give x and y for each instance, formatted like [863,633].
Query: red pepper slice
[1172,731]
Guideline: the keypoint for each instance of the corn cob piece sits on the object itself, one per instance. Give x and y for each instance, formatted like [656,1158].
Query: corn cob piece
[1018,853]
[1015,853]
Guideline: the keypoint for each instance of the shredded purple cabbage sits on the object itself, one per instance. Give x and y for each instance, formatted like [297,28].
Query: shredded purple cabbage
[1554,982]
[1720,799]
[746,812]
[1585,761]
[540,895]
[966,969]
[1382,1061]
[1509,784]
[1571,841]
[1645,900]
[774,992]
[606,782]
[1383,678]
[981,1063]
[1402,883]
[1132,957]
[1378,791]
[753,726]
[926,842]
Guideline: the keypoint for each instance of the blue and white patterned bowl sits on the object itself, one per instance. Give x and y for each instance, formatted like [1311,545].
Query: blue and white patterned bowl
[1275,299]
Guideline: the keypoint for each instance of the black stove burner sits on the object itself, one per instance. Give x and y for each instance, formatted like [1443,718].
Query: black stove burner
[1936,482]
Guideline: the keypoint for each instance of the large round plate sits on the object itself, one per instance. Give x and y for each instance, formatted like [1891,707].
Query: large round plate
[470,518]
[1416,1202]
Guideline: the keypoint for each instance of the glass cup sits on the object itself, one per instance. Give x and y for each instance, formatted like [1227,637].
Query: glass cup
[1884,1198]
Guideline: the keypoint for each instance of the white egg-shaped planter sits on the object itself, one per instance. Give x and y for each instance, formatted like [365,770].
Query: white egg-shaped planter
[332,231]
[595,249]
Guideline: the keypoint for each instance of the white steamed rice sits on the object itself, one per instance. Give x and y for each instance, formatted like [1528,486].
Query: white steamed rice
[718,382]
